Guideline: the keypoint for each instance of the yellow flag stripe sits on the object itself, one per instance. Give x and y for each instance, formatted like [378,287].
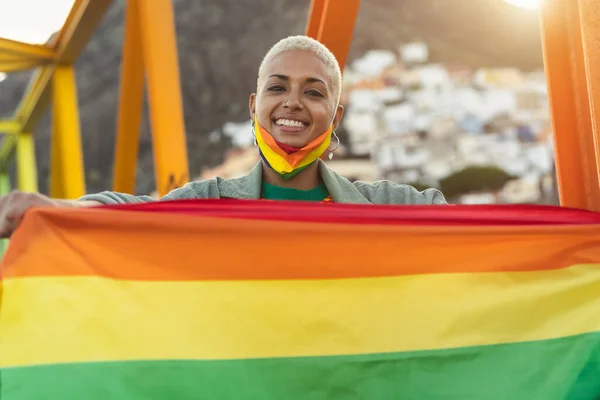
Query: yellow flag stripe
[79,319]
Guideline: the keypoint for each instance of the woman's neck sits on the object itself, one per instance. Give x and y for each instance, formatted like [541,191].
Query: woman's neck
[305,180]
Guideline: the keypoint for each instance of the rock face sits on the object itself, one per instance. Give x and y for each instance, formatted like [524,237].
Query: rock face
[221,43]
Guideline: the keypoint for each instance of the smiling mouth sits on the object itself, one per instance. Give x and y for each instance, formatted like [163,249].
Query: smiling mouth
[290,125]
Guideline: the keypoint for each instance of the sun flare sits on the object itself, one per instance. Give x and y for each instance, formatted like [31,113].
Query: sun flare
[529,4]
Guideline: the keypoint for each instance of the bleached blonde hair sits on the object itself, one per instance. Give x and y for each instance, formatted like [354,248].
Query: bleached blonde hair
[306,43]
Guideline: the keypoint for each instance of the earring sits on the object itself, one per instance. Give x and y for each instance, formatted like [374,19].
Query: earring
[254,133]
[336,147]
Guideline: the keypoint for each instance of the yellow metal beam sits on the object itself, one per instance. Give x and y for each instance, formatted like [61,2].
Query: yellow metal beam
[4,183]
[67,179]
[68,45]
[70,42]
[27,180]
[164,90]
[13,57]
[56,185]
[20,65]
[130,103]
[26,50]
[4,189]
[9,126]
[9,142]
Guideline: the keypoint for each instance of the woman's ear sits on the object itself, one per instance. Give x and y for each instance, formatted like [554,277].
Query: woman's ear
[337,118]
[252,106]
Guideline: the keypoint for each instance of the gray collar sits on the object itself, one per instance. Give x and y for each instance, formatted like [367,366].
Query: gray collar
[249,186]
[340,188]
[244,187]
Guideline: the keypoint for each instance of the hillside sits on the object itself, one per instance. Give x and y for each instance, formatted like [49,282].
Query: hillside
[221,43]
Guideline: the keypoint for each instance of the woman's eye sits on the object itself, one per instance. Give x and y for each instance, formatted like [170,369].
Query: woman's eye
[315,93]
[275,88]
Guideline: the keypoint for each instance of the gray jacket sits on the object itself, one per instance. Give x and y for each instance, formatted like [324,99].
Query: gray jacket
[249,187]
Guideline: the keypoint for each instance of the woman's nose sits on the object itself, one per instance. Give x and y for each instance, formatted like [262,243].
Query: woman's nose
[292,102]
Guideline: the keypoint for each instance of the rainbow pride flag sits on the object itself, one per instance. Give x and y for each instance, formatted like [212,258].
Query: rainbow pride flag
[268,300]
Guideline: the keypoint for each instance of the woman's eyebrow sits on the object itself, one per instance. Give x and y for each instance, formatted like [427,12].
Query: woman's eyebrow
[309,80]
[316,80]
[282,77]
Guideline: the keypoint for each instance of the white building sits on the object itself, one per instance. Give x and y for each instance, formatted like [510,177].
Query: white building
[414,53]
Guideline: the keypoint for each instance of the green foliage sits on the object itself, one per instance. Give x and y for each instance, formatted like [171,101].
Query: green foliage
[473,179]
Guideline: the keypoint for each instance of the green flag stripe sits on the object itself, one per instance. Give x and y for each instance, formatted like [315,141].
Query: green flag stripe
[565,368]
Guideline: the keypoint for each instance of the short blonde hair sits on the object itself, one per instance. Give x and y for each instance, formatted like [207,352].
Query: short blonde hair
[306,43]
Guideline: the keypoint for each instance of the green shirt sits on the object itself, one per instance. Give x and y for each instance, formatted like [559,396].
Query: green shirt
[272,192]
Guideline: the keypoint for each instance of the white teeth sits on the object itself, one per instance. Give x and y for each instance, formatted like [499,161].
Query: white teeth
[290,123]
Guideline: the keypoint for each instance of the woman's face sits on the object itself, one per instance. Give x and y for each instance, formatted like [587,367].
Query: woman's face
[295,101]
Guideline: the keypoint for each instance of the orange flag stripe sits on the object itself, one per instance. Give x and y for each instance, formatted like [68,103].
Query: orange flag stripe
[207,248]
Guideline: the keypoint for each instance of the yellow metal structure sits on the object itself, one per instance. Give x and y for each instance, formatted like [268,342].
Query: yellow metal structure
[27,180]
[9,126]
[4,188]
[18,65]
[67,180]
[157,22]
[151,46]
[81,22]
[79,26]
[130,104]
[571,45]
[12,49]
[17,56]
[150,49]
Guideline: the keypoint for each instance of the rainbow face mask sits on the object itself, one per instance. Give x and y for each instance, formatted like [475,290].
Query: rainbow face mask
[286,160]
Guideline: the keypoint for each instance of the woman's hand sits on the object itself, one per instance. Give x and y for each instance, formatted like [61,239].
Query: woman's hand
[14,205]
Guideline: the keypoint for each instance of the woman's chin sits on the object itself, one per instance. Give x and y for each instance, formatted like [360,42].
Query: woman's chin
[296,142]
[293,139]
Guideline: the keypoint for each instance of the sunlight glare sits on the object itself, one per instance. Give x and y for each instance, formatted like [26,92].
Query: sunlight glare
[32,21]
[529,4]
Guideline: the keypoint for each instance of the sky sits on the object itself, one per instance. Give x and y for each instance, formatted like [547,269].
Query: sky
[32,21]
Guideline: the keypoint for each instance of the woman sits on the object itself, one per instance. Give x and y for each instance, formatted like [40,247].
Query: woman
[295,112]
